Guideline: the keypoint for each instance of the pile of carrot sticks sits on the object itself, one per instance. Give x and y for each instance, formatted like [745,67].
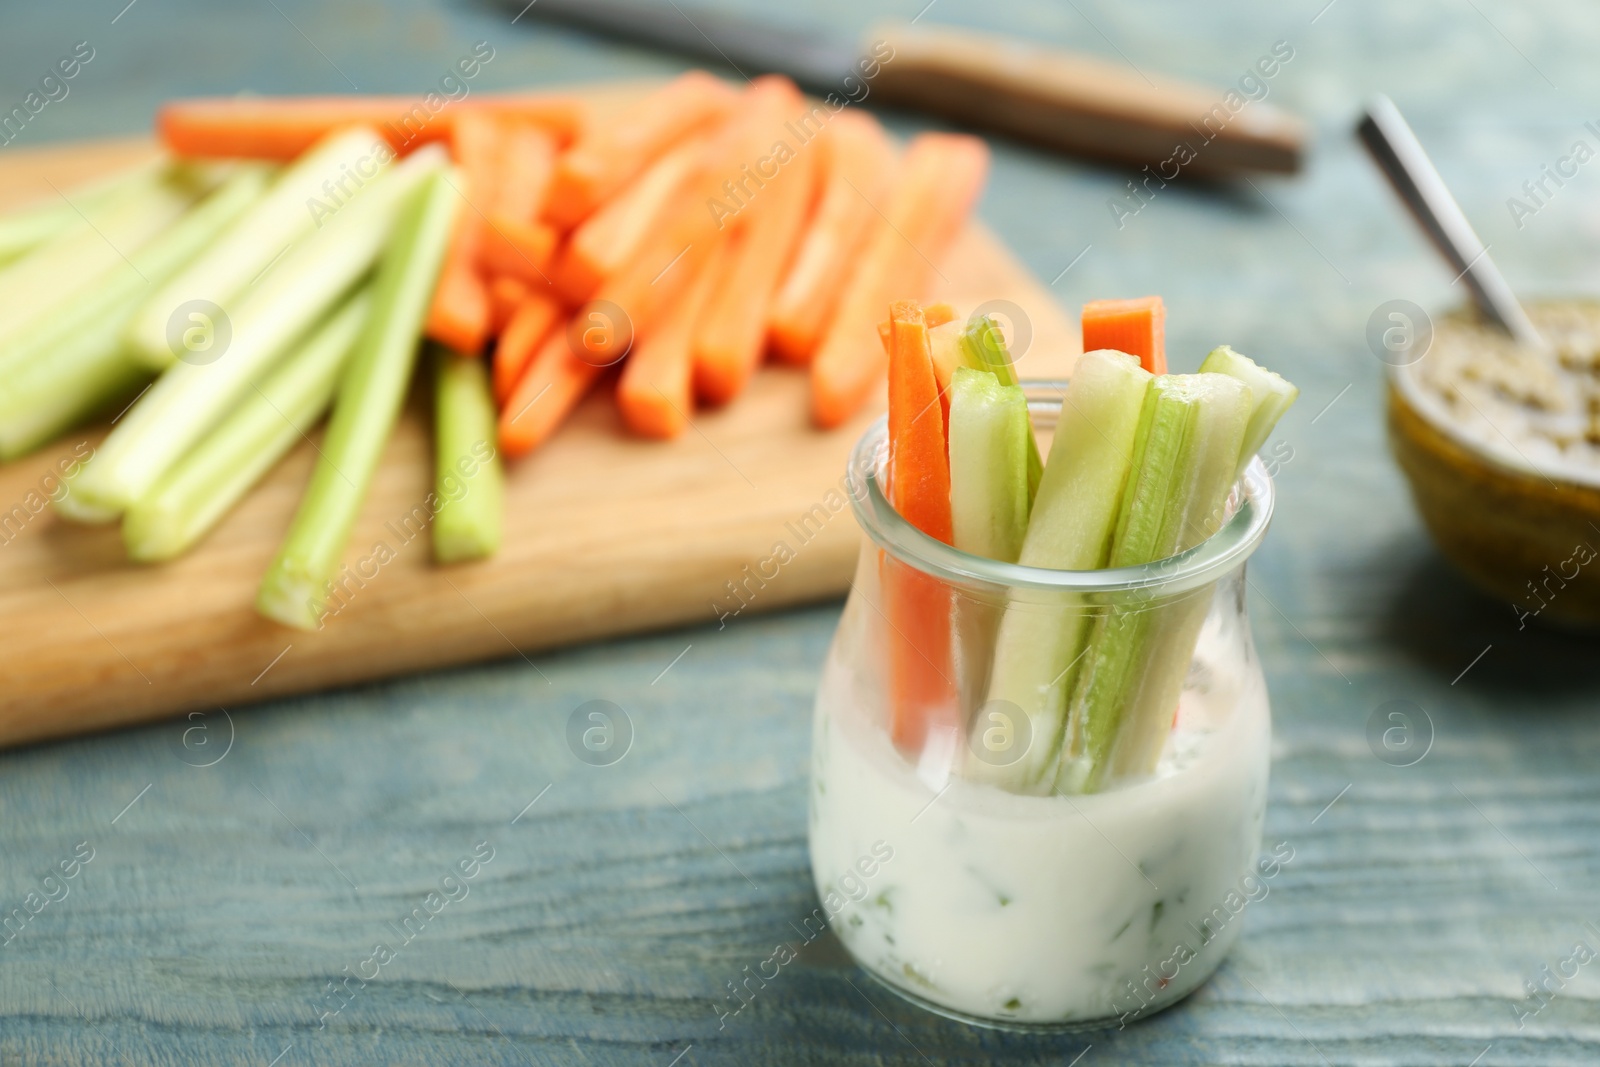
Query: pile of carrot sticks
[674,243]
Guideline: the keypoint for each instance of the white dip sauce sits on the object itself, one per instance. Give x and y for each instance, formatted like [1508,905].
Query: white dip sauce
[1047,910]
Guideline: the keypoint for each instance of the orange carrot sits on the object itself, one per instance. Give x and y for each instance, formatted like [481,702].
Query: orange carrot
[608,239]
[511,241]
[459,315]
[282,127]
[506,294]
[940,180]
[731,335]
[517,248]
[526,330]
[922,697]
[548,391]
[919,466]
[678,249]
[939,314]
[859,170]
[934,314]
[654,393]
[1137,327]
[609,154]
[527,166]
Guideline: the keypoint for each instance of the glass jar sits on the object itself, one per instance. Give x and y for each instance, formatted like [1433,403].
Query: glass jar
[970,861]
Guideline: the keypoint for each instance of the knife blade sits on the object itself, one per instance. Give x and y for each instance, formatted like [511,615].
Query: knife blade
[1060,100]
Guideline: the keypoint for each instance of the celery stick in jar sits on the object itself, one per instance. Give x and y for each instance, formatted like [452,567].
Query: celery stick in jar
[1074,515]
[989,431]
[1189,437]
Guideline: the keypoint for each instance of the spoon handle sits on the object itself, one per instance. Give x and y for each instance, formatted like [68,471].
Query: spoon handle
[1401,157]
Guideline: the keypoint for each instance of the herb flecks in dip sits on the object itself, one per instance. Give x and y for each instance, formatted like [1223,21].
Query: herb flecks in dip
[1543,404]
[1501,446]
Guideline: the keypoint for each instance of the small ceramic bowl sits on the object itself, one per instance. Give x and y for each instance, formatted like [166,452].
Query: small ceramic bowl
[1524,527]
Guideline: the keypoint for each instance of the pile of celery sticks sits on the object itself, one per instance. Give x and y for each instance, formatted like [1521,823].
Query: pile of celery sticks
[249,316]
[1140,469]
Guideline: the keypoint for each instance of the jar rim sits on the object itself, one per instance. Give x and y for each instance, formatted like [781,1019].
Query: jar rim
[1222,552]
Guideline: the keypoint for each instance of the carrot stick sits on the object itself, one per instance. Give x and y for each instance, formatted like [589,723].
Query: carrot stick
[608,239]
[943,369]
[527,167]
[283,127]
[517,248]
[654,393]
[512,241]
[730,337]
[547,393]
[859,170]
[940,180]
[919,466]
[918,607]
[459,315]
[1137,327]
[526,330]
[506,294]
[609,154]
[677,250]
[934,314]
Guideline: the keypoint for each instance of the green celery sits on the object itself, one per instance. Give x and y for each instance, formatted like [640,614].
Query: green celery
[469,484]
[296,586]
[1041,636]
[984,347]
[1271,395]
[1174,627]
[1190,432]
[75,363]
[37,288]
[189,398]
[24,230]
[205,484]
[989,431]
[282,218]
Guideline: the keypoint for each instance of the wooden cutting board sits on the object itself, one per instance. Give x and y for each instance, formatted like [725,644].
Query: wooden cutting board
[605,534]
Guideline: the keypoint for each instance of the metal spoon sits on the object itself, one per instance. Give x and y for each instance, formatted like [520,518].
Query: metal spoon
[1402,159]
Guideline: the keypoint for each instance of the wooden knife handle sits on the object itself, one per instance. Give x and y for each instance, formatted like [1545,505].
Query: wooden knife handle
[1078,103]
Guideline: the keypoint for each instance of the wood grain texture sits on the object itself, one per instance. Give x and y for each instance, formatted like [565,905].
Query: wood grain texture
[207,926]
[604,534]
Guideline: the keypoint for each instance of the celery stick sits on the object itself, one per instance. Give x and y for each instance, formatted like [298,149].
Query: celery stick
[1270,394]
[1040,638]
[1190,432]
[67,506]
[296,586]
[35,289]
[297,206]
[984,346]
[205,484]
[74,364]
[89,375]
[24,230]
[989,431]
[189,398]
[469,483]
[1176,626]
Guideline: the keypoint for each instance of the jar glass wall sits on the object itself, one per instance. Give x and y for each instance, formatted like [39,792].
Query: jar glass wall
[1064,853]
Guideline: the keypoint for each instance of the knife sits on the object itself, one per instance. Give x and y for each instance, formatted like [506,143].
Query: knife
[1060,100]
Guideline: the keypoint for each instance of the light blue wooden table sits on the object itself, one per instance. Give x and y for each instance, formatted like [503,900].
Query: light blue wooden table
[221,901]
